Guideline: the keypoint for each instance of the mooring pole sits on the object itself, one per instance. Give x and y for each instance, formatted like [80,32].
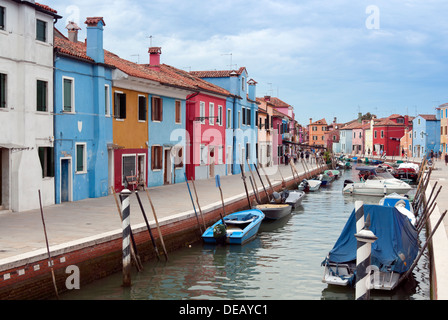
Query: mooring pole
[126,227]
[364,239]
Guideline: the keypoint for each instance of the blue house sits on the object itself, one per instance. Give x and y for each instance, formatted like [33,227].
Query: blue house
[426,135]
[241,116]
[82,121]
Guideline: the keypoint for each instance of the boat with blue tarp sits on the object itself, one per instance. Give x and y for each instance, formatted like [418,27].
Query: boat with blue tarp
[392,254]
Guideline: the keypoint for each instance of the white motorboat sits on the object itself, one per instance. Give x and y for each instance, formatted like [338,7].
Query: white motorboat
[310,185]
[381,184]
[294,197]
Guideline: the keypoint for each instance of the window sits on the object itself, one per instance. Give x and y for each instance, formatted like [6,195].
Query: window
[239,120]
[106,100]
[128,167]
[219,119]
[202,112]
[81,158]
[68,95]
[382,133]
[141,108]
[2,18]
[220,155]
[156,109]
[46,161]
[156,157]
[248,151]
[244,115]
[243,84]
[248,117]
[41,30]
[120,105]
[211,113]
[41,94]
[375,134]
[2,90]
[229,118]
[178,157]
[178,114]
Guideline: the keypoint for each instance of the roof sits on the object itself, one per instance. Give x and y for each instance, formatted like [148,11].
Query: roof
[428,117]
[319,122]
[167,75]
[217,73]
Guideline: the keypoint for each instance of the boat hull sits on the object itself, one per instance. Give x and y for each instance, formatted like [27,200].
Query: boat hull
[239,230]
[295,198]
[377,188]
[275,211]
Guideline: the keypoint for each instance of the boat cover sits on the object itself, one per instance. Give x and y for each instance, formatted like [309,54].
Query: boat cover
[396,247]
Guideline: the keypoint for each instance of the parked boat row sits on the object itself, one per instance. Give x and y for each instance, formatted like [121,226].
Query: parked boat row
[242,226]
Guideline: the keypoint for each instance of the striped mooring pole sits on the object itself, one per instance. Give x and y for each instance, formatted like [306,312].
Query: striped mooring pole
[126,227]
[364,238]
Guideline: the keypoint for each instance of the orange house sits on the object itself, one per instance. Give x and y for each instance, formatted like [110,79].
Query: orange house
[316,133]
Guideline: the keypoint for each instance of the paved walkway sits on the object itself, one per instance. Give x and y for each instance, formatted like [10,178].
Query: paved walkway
[21,233]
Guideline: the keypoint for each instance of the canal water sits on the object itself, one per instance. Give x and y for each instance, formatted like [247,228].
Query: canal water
[282,263]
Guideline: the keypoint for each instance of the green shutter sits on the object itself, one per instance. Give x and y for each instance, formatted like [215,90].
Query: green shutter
[41,30]
[2,90]
[2,18]
[41,95]
[67,95]
[79,157]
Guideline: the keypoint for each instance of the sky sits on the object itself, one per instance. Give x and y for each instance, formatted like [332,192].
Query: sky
[326,58]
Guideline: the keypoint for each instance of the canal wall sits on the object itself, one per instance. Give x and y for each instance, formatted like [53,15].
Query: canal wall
[28,276]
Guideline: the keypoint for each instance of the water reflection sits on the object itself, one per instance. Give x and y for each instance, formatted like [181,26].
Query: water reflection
[282,262]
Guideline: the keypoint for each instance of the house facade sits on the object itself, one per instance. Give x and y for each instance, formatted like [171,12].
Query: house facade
[387,134]
[426,138]
[26,120]
[82,120]
[442,111]
[316,132]
[241,108]
[265,132]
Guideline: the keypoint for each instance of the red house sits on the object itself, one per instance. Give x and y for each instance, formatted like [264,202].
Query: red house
[387,134]
[206,128]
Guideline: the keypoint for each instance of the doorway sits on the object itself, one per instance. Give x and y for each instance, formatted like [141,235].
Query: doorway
[212,162]
[66,179]
[167,167]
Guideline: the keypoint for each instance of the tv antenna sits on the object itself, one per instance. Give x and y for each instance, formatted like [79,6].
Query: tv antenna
[229,54]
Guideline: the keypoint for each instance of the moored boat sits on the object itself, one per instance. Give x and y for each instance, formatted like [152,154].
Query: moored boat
[294,197]
[392,254]
[238,228]
[376,184]
[309,185]
[335,173]
[274,211]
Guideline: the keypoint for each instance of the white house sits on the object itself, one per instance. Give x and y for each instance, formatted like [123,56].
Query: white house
[26,104]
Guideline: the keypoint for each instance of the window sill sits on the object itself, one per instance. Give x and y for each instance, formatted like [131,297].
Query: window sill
[80,172]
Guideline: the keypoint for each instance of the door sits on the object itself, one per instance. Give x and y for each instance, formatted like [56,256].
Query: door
[141,169]
[212,162]
[65,180]
[167,167]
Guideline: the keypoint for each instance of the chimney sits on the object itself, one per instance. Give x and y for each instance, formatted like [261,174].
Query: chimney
[334,120]
[154,58]
[311,120]
[72,31]
[267,98]
[95,38]
[252,86]
[233,82]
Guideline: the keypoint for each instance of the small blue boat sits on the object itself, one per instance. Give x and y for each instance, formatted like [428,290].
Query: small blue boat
[238,228]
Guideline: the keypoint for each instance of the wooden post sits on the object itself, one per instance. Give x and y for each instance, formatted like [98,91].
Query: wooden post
[50,261]
[245,185]
[197,202]
[147,226]
[194,207]
[126,227]
[262,184]
[157,224]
